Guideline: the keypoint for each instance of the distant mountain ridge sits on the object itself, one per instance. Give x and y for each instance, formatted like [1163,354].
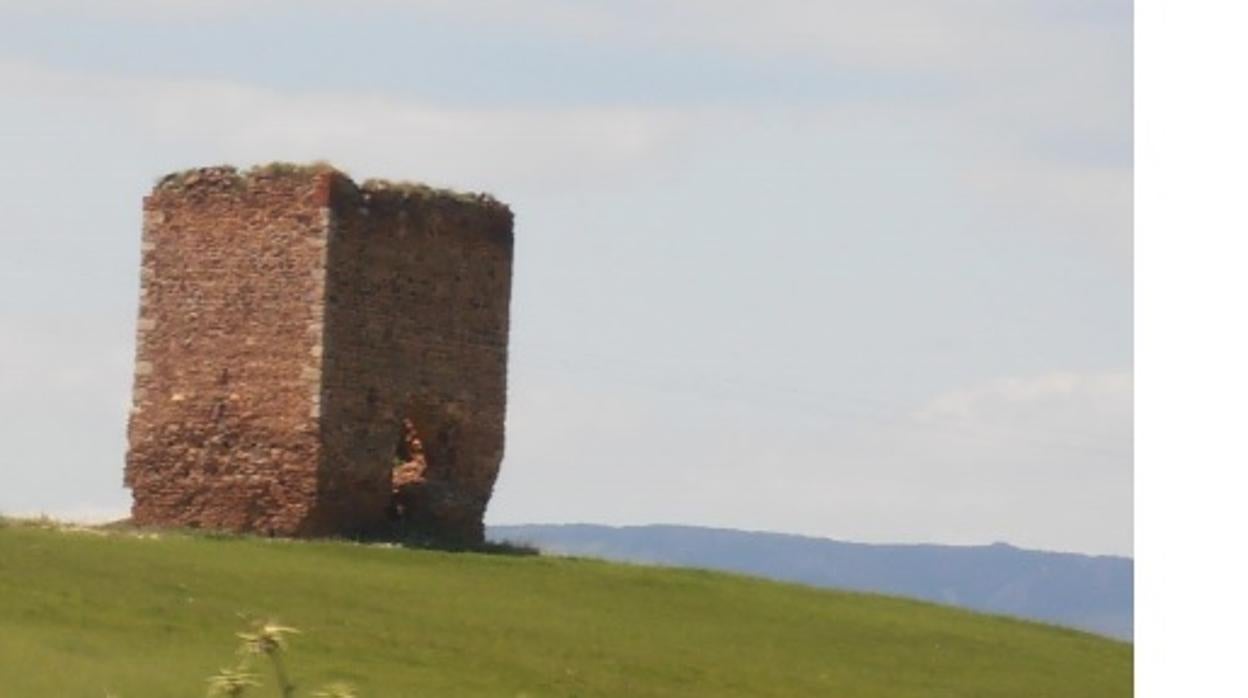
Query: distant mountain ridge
[1093,593]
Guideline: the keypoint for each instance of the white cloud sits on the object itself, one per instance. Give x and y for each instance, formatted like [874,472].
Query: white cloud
[898,33]
[1050,456]
[1065,417]
[1112,391]
[64,393]
[1042,461]
[1009,163]
[214,121]
[140,9]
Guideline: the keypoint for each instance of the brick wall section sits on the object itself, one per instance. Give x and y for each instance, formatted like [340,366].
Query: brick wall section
[416,330]
[291,323]
[223,431]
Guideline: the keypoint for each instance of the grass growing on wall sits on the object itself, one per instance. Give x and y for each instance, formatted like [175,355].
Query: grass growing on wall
[88,613]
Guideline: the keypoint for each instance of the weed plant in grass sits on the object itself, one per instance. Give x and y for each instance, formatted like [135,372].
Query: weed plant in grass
[91,613]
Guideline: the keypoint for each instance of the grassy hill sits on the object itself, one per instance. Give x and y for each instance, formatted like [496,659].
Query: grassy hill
[94,614]
[1094,593]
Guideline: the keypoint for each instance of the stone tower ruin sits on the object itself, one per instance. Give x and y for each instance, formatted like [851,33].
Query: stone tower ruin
[317,357]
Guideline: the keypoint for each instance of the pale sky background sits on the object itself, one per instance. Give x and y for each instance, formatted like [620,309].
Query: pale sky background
[849,268]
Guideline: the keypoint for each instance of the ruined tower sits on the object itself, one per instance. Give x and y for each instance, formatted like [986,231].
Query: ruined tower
[318,357]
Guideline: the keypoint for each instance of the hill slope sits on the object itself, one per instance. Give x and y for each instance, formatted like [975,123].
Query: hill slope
[88,614]
[1081,591]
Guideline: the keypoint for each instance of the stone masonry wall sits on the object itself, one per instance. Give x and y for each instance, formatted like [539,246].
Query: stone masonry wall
[416,355]
[224,430]
[317,357]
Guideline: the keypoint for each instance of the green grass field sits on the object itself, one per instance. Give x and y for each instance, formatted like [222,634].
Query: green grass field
[92,614]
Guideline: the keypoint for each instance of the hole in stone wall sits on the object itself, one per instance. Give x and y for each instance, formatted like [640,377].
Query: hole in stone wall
[423,464]
[409,471]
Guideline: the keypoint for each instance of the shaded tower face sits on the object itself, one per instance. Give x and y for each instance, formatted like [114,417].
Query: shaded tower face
[317,357]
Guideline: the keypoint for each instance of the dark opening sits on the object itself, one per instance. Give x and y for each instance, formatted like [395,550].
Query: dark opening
[409,471]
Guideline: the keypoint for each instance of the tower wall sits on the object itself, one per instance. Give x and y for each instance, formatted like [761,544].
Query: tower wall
[417,298]
[224,429]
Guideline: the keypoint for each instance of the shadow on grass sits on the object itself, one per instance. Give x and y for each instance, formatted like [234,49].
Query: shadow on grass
[402,536]
[417,539]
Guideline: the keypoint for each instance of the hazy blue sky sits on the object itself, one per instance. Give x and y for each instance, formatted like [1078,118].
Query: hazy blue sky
[857,269]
